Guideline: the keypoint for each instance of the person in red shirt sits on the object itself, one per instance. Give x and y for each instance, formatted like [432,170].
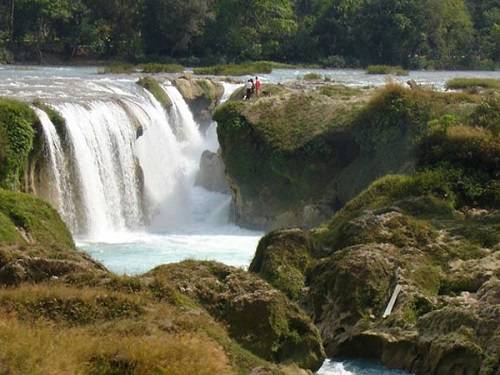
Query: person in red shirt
[257,86]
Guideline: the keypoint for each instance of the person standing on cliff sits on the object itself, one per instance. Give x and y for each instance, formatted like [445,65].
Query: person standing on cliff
[257,86]
[250,88]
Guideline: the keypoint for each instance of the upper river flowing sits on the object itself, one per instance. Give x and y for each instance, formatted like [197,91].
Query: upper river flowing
[134,221]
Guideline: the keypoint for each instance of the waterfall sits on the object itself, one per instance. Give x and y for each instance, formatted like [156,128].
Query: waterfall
[101,136]
[63,195]
[110,181]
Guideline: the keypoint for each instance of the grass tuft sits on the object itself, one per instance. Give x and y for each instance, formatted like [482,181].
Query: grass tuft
[467,83]
[161,68]
[312,77]
[236,69]
[386,69]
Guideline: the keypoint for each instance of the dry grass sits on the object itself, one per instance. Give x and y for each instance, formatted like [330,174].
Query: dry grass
[47,349]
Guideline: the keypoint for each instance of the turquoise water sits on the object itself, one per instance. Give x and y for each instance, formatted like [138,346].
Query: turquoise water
[356,367]
[136,253]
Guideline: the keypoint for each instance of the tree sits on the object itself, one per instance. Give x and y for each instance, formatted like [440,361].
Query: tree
[169,26]
[251,29]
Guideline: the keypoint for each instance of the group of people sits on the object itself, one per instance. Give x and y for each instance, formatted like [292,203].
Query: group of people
[252,87]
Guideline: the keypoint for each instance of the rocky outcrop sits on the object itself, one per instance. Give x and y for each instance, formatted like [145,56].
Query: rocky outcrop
[445,320]
[295,158]
[211,175]
[259,317]
[202,96]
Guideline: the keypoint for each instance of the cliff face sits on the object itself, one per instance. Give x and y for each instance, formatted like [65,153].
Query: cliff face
[435,234]
[296,157]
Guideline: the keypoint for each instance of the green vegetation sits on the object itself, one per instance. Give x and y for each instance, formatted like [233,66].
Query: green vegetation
[386,69]
[22,212]
[236,69]
[487,114]
[124,68]
[119,68]
[312,77]
[466,83]
[457,34]
[161,68]
[342,91]
[54,116]
[17,131]
[152,85]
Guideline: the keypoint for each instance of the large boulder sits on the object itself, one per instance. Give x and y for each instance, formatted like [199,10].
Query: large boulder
[211,175]
[283,258]
[295,158]
[259,317]
[403,232]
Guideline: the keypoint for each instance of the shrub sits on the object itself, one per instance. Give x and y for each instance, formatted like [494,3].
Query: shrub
[56,118]
[312,77]
[466,83]
[161,68]
[470,157]
[339,91]
[386,69]
[17,122]
[487,114]
[236,69]
[150,84]
[118,68]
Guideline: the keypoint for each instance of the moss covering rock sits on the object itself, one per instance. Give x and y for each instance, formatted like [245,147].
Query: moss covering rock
[35,244]
[202,96]
[152,85]
[435,233]
[262,319]
[296,150]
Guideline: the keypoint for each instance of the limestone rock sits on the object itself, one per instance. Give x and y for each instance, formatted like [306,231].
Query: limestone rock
[259,317]
[202,96]
[211,175]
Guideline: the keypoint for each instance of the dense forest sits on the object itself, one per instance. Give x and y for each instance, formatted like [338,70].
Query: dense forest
[337,33]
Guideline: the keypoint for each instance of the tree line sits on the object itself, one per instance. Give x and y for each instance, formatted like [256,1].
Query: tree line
[337,33]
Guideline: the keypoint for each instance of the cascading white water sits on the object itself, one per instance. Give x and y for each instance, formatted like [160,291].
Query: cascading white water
[101,137]
[63,194]
[108,160]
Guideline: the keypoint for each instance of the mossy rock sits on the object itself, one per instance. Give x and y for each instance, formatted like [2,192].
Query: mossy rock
[202,96]
[152,85]
[38,222]
[283,258]
[35,244]
[259,317]
[298,149]
[17,132]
